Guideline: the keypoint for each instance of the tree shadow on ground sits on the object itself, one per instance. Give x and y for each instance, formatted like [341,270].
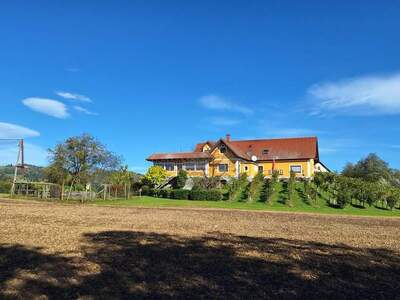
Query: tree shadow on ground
[126,264]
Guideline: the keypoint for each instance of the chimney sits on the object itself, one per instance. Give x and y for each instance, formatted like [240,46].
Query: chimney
[228,137]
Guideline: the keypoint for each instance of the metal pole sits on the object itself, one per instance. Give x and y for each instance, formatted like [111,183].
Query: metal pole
[16,169]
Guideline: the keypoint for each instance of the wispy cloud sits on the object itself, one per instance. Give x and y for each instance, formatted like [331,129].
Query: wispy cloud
[368,95]
[49,107]
[84,110]
[72,96]
[215,102]
[13,131]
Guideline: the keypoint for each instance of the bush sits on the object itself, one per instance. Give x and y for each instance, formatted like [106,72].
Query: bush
[165,193]
[214,195]
[148,191]
[180,194]
[5,186]
[181,179]
[209,195]
[198,194]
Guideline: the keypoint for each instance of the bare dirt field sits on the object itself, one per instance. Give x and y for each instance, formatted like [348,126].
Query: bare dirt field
[70,251]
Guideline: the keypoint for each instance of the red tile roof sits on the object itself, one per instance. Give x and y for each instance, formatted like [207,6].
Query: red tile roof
[278,149]
[179,155]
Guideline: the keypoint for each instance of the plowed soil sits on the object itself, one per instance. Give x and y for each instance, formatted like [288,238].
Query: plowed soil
[79,251]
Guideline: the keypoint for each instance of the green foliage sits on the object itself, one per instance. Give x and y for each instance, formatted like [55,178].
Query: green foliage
[372,169]
[5,186]
[236,186]
[78,158]
[266,191]
[291,188]
[255,187]
[181,179]
[155,176]
[393,198]
[180,194]
[165,193]
[122,176]
[209,195]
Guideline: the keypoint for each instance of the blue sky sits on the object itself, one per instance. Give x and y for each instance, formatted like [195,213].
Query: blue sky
[155,76]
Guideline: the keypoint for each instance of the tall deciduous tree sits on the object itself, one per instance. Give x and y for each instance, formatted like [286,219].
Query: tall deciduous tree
[78,158]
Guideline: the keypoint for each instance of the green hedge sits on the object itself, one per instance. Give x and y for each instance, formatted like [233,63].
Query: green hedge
[180,194]
[202,194]
[165,193]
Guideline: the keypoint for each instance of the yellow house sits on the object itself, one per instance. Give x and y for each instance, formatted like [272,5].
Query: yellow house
[230,158]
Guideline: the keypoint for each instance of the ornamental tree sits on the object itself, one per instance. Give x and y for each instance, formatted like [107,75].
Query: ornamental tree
[155,176]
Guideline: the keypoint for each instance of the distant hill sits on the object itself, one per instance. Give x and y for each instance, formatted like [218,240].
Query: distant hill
[31,172]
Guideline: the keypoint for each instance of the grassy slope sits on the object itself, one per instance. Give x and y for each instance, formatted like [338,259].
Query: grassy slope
[275,203]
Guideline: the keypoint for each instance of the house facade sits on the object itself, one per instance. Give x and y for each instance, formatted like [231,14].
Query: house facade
[230,158]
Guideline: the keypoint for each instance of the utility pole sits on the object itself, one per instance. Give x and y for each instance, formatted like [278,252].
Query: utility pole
[19,164]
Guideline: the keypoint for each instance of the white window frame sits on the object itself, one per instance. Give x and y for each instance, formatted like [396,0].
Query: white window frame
[301,169]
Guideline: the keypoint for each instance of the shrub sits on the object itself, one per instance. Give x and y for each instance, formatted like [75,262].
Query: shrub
[145,190]
[181,179]
[214,195]
[203,194]
[198,194]
[180,194]
[5,186]
[165,193]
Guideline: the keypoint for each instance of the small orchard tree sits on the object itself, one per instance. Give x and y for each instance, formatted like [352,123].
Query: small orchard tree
[155,176]
[181,179]
[291,188]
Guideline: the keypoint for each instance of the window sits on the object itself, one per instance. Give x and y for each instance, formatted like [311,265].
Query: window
[246,168]
[189,167]
[223,168]
[169,167]
[265,151]
[200,166]
[222,149]
[295,169]
[260,169]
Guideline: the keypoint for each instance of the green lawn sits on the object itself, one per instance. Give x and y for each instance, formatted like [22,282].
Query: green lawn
[276,203]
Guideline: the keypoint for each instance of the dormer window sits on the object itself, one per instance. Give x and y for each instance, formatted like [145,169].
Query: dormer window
[222,149]
[265,151]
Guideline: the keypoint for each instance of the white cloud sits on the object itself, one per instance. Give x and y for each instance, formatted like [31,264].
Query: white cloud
[84,110]
[34,154]
[221,121]
[13,131]
[72,96]
[368,95]
[215,102]
[49,107]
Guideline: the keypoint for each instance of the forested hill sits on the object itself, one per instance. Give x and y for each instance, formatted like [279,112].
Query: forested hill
[31,172]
